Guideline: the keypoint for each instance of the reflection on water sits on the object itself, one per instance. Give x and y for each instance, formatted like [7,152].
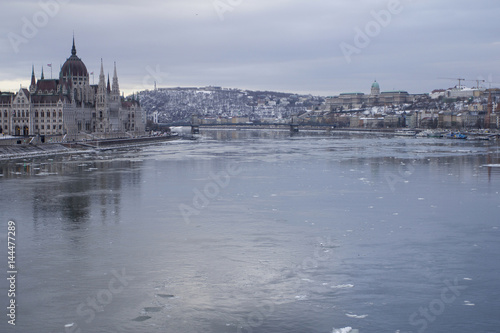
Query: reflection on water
[318,231]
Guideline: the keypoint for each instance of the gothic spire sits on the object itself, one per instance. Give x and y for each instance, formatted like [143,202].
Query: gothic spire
[108,87]
[42,78]
[115,88]
[33,82]
[101,87]
[73,49]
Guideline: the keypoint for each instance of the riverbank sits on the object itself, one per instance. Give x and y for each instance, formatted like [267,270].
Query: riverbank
[471,134]
[21,151]
[28,151]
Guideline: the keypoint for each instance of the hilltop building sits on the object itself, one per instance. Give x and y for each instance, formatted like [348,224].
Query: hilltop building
[358,100]
[70,106]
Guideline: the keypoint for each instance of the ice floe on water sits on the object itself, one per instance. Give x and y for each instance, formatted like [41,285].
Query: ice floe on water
[342,286]
[342,330]
[491,165]
[352,315]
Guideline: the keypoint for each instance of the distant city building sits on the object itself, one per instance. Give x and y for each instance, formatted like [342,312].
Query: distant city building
[375,91]
[358,100]
[70,106]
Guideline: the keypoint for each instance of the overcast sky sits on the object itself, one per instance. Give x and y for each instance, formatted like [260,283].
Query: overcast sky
[321,47]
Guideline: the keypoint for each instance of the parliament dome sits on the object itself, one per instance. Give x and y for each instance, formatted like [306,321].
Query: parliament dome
[73,66]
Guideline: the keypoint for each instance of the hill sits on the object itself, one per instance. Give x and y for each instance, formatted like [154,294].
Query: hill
[179,104]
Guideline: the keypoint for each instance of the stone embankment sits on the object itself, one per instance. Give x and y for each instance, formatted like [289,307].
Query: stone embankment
[27,151]
[21,151]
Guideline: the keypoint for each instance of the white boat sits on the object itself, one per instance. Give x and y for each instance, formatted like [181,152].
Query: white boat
[405,132]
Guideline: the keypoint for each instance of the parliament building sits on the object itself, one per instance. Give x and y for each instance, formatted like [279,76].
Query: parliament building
[70,107]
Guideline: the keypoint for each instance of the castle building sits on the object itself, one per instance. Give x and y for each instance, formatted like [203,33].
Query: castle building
[70,106]
[375,90]
[358,100]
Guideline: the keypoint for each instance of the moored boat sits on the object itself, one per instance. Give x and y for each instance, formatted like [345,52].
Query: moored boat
[405,132]
[456,135]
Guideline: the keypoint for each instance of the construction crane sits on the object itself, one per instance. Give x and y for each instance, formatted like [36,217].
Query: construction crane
[459,80]
[477,82]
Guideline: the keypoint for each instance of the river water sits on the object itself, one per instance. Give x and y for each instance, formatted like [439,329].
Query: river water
[257,231]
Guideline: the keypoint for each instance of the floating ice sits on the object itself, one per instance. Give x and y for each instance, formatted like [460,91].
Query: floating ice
[69,325]
[468,303]
[342,330]
[356,316]
[342,286]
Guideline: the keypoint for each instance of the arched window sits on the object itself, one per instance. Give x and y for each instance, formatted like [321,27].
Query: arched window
[43,114]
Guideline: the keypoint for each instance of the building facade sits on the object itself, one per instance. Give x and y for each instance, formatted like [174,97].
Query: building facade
[71,107]
[358,100]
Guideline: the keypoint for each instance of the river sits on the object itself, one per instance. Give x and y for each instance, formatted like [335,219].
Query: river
[257,231]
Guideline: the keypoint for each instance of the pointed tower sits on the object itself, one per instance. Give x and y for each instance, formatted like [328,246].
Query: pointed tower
[33,80]
[73,49]
[115,89]
[42,78]
[101,102]
[108,86]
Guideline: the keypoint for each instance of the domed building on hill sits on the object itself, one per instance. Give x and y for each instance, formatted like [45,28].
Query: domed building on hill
[358,100]
[375,88]
[70,108]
